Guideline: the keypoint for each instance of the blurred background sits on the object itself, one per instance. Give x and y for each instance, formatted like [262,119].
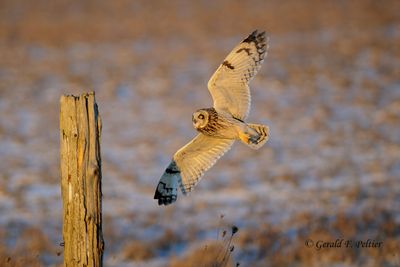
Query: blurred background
[329,90]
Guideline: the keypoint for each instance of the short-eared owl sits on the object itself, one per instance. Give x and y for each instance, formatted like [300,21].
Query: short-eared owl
[220,125]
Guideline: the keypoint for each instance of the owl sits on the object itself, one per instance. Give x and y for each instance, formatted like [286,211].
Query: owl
[221,125]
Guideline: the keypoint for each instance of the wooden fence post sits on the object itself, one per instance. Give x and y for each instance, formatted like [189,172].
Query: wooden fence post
[80,130]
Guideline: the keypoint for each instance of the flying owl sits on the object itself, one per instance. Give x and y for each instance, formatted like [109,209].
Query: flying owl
[220,125]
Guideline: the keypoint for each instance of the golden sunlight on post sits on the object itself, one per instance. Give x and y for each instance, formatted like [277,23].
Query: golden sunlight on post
[80,130]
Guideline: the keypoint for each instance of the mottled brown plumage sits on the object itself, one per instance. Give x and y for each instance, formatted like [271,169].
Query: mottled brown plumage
[220,125]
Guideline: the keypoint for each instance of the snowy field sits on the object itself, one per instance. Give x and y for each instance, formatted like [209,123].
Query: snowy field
[329,91]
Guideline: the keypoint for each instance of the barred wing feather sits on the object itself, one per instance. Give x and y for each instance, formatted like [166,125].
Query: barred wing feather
[229,85]
[198,156]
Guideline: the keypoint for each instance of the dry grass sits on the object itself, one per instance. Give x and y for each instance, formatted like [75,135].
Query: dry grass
[277,248]
[207,255]
[138,251]
[99,21]
[329,89]
[32,248]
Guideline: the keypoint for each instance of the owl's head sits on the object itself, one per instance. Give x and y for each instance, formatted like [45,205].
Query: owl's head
[200,118]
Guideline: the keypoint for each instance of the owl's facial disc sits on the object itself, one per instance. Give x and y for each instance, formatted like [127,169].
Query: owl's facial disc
[200,119]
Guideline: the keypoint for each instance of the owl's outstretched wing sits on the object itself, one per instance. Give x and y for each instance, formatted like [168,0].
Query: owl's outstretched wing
[188,166]
[229,85]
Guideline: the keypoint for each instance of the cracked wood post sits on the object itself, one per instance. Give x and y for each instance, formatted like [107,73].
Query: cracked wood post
[80,130]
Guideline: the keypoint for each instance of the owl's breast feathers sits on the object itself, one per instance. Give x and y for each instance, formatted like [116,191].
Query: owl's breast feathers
[218,125]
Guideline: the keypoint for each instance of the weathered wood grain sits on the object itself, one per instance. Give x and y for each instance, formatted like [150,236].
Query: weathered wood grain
[80,132]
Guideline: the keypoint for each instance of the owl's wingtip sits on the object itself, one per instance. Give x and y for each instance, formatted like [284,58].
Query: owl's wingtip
[164,195]
[164,199]
[255,37]
[166,191]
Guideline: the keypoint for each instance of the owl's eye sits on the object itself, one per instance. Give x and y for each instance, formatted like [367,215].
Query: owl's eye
[201,116]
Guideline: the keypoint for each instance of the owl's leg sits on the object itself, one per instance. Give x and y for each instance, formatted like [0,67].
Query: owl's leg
[254,135]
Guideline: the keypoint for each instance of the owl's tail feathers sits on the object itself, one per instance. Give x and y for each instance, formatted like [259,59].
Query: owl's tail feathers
[255,136]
